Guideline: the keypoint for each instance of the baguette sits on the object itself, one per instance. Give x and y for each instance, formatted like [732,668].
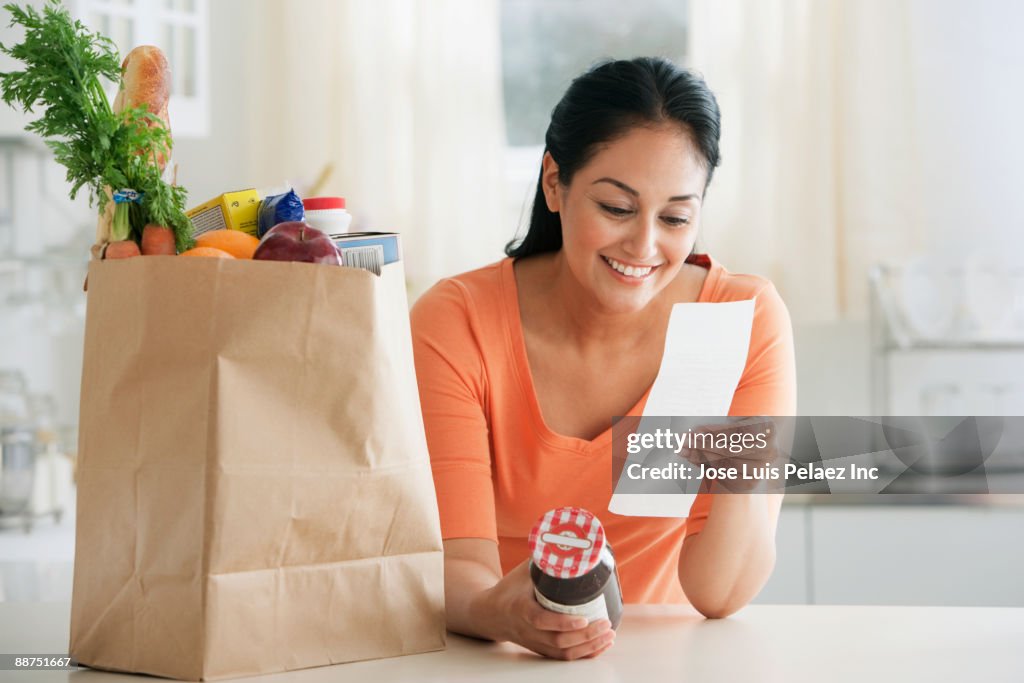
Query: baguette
[146,80]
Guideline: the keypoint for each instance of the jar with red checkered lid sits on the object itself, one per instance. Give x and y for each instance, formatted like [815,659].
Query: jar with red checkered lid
[572,566]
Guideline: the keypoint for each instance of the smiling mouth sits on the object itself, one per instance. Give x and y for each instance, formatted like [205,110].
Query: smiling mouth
[635,272]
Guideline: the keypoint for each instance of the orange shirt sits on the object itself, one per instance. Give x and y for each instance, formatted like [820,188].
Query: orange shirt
[497,466]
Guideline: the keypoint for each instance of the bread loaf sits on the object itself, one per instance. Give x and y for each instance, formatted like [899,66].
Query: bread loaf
[146,80]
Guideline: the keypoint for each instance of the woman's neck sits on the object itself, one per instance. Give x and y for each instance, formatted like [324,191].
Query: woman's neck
[568,311]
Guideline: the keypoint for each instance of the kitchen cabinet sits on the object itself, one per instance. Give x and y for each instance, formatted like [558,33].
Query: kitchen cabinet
[908,555]
[982,380]
[789,584]
[867,554]
[966,365]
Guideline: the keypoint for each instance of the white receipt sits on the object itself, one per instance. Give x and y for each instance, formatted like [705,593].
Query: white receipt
[705,353]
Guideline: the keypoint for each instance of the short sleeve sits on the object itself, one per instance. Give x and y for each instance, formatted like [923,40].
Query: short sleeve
[452,387]
[768,384]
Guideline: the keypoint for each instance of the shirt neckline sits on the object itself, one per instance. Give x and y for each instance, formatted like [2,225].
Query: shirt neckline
[521,362]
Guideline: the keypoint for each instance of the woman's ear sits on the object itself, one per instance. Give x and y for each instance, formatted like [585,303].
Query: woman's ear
[549,182]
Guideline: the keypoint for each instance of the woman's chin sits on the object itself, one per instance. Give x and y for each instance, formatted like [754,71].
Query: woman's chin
[624,303]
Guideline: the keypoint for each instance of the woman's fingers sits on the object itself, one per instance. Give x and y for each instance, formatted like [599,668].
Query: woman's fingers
[590,648]
[566,640]
[603,649]
[562,636]
[546,620]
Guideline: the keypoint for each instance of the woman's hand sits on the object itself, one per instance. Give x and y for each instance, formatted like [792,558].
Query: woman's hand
[518,617]
[481,603]
[755,455]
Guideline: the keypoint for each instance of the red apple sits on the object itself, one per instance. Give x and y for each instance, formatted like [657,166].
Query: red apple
[297,241]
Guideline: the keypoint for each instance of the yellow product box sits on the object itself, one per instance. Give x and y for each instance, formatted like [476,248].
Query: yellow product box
[232,210]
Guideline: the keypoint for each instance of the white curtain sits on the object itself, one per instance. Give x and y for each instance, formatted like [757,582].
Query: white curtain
[403,98]
[820,168]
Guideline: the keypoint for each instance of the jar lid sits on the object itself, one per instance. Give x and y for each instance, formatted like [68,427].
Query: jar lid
[566,543]
[321,203]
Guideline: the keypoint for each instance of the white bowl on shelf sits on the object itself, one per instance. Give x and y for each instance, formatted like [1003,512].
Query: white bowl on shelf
[928,298]
[989,295]
[1017,281]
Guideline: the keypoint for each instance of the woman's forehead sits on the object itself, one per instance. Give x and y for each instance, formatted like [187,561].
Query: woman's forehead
[650,160]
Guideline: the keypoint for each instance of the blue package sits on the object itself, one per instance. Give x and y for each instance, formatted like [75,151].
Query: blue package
[279,208]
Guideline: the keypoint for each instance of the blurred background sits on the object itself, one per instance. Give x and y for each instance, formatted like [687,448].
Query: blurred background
[871,163]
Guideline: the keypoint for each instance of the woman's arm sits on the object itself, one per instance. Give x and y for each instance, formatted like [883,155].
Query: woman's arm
[471,568]
[725,565]
[479,601]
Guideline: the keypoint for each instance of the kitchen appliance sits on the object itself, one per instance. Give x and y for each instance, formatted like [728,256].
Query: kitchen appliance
[17,446]
[954,369]
[17,470]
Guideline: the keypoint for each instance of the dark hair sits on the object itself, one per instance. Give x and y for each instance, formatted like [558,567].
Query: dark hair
[605,103]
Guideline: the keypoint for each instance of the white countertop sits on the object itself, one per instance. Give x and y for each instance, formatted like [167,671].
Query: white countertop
[761,643]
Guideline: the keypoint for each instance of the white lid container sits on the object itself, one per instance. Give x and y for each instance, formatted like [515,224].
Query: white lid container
[327,214]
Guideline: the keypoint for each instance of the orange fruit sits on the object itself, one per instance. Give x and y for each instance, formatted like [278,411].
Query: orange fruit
[237,243]
[206,251]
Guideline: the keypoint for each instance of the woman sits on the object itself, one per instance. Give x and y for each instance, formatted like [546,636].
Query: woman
[523,364]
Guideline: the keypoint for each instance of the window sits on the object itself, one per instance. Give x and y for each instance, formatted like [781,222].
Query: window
[545,43]
[179,28]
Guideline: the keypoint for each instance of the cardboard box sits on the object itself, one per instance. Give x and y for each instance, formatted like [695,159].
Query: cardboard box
[369,250]
[232,210]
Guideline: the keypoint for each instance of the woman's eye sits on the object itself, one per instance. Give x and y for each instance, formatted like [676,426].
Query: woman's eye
[676,221]
[615,210]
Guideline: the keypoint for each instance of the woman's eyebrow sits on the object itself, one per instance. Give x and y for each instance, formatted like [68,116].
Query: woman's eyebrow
[623,186]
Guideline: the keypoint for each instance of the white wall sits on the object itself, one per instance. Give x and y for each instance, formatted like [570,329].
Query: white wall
[969,62]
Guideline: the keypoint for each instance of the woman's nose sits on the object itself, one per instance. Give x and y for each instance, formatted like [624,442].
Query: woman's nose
[641,243]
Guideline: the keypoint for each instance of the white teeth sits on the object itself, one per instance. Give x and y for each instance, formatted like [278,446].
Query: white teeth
[628,271]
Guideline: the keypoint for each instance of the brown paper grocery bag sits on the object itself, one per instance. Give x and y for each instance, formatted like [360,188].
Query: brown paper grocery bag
[254,491]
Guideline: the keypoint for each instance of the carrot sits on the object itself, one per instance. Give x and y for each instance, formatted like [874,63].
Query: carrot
[157,240]
[121,249]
